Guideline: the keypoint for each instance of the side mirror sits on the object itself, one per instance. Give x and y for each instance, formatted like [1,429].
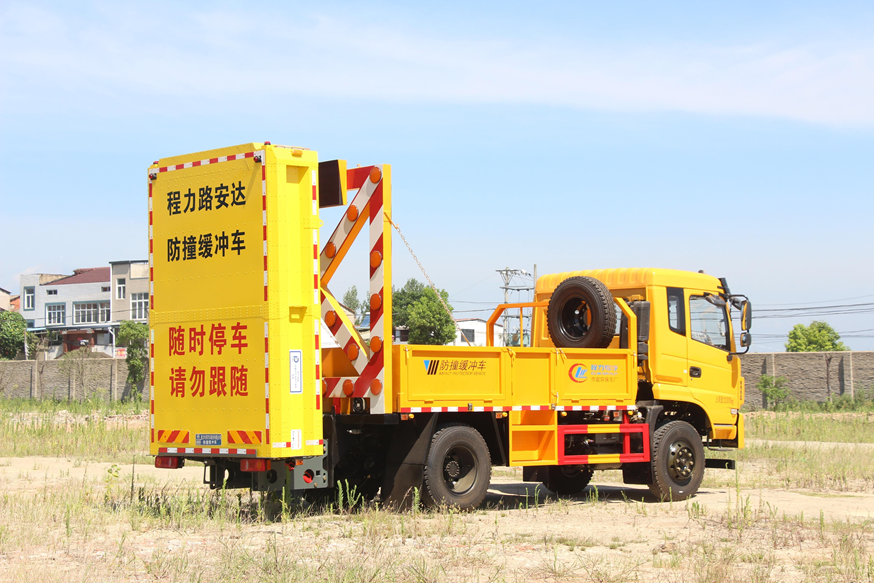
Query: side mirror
[746,315]
[746,340]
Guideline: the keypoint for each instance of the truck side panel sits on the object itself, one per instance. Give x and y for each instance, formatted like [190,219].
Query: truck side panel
[501,379]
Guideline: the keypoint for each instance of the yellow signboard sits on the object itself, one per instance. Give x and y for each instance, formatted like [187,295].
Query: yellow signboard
[233,305]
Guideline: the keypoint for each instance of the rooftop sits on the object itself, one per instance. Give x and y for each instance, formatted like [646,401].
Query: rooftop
[86,275]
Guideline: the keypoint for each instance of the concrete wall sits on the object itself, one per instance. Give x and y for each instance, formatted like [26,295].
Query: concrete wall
[848,373]
[105,378]
[98,377]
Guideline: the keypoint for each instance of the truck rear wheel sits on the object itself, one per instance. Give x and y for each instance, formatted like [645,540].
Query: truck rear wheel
[458,468]
[677,461]
[568,480]
[581,314]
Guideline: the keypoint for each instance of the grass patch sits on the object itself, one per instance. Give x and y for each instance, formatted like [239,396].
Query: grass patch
[806,426]
[86,430]
[84,407]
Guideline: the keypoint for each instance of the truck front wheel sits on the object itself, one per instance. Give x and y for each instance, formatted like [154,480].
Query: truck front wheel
[677,461]
[458,468]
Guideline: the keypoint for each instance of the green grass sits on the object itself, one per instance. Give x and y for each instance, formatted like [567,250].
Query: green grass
[861,402]
[806,426]
[76,430]
[85,407]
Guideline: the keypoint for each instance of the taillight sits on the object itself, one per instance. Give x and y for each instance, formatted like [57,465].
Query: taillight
[253,465]
[168,462]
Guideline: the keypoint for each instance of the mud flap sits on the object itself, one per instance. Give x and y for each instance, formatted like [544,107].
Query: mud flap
[534,473]
[405,461]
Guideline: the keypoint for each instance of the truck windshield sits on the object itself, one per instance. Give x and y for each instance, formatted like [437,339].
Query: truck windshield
[708,323]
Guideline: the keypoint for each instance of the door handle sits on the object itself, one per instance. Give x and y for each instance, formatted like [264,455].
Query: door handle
[695,372]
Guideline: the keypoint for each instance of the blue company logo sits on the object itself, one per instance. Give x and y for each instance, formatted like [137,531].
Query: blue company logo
[431,366]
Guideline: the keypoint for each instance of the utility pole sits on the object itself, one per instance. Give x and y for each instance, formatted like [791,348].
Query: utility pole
[507,275]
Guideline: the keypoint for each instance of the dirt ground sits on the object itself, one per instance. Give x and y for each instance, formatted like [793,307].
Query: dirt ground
[609,533]
[33,474]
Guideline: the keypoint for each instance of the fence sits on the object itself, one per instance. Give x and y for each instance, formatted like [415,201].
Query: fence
[811,376]
[99,377]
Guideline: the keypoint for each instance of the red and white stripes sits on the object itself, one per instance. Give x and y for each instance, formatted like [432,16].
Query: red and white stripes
[597,408]
[517,408]
[207,450]
[372,380]
[151,253]
[266,383]
[367,360]
[264,216]
[316,292]
[205,162]
[152,383]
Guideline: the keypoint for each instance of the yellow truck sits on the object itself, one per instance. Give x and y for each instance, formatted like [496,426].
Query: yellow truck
[256,371]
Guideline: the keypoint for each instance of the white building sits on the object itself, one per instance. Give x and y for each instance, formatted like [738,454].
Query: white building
[475,332]
[76,308]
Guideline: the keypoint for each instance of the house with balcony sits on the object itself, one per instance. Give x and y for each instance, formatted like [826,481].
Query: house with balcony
[73,310]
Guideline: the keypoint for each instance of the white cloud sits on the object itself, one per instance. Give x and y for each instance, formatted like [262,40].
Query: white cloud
[217,58]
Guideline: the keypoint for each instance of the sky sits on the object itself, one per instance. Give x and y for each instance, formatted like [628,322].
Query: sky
[735,138]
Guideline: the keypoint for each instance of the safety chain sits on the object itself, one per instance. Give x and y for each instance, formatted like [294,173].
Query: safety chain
[431,283]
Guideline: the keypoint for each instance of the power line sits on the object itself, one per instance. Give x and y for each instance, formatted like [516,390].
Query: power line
[491,275]
[814,311]
[821,301]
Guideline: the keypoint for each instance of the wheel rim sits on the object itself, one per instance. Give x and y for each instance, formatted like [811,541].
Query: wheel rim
[459,470]
[575,318]
[570,471]
[681,462]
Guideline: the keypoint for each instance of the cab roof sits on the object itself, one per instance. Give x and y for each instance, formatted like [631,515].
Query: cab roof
[633,277]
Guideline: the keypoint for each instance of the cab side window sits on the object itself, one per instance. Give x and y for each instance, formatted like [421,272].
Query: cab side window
[676,314]
[708,323]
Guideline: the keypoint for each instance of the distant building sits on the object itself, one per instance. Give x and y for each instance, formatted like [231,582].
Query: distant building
[474,330]
[75,310]
[130,290]
[15,303]
[5,298]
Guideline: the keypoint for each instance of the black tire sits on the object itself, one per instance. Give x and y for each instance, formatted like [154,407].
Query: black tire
[458,468]
[581,314]
[677,461]
[568,480]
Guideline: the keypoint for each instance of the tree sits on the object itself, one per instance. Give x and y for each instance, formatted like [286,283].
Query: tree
[775,389]
[818,337]
[351,301]
[74,365]
[403,299]
[135,336]
[13,329]
[428,321]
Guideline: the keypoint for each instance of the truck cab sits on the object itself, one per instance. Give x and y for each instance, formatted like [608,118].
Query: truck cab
[689,355]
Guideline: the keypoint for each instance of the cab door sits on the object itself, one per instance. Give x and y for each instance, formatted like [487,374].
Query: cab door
[710,373]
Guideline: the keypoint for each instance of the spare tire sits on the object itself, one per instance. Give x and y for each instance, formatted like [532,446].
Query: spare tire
[581,314]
